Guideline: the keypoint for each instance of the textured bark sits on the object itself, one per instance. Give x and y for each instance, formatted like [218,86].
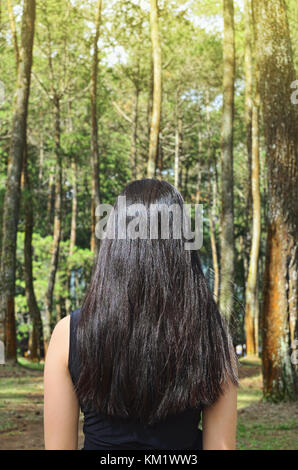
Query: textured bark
[248,70]
[227,248]
[95,188]
[279,309]
[47,319]
[156,107]
[252,303]
[12,193]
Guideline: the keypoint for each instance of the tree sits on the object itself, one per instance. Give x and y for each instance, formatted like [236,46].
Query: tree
[227,244]
[252,130]
[12,193]
[156,105]
[95,191]
[36,337]
[280,118]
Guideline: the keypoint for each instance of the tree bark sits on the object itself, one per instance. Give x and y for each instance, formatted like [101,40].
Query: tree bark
[252,134]
[280,118]
[248,67]
[12,193]
[227,245]
[252,303]
[47,320]
[156,107]
[95,185]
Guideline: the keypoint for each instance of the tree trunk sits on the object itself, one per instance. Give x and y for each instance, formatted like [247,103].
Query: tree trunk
[252,134]
[34,312]
[177,165]
[134,134]
[199,166]
[73,230]
[13,31]
[248,125]
[156,108]
[279,309]
[227,253]
[252,302]
[47,320]
[12,193]
[212,222]
[150,95]
[95,188]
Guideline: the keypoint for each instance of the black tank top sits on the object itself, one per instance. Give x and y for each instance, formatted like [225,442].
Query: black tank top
[102,432]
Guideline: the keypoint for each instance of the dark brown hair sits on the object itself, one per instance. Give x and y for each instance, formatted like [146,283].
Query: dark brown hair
[151,340]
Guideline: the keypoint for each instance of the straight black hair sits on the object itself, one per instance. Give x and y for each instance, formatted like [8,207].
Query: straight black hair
[151,340]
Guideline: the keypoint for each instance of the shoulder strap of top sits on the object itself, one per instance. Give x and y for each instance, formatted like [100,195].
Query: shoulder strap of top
[73,361]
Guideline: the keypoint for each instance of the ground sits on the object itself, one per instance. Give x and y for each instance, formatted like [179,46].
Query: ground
[260,425]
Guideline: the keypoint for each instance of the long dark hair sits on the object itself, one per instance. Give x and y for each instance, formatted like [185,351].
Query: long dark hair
[151,340]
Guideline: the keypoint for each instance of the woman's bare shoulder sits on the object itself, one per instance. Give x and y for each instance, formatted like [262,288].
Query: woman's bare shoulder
[59,344]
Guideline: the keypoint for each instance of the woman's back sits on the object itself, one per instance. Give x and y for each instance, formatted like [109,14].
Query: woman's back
[178,431]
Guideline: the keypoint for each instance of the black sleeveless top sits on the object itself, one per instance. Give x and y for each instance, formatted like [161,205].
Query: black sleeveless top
[102,432]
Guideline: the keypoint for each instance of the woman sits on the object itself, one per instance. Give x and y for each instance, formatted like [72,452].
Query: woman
[148,353]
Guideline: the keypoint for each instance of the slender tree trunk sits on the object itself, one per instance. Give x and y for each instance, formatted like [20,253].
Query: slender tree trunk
[134,134]
[150,95]
[73,230]
[36,334]
[34,312]
[13,31]
[177,165]
[156,109]
[199,167]
[227,252]
[280,117]
[252,302]
[248,125]
[95,187]
[252,134]
[41,159]
[51,201]
[47,320]
[212,222]
[12,193]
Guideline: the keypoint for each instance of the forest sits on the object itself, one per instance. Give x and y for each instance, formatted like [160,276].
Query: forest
[200,93]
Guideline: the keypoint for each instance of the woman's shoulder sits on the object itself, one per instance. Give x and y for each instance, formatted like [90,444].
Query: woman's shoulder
[57,352]
[62,327]
[61,332]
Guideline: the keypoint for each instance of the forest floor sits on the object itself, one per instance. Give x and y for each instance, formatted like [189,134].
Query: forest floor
[260,425]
